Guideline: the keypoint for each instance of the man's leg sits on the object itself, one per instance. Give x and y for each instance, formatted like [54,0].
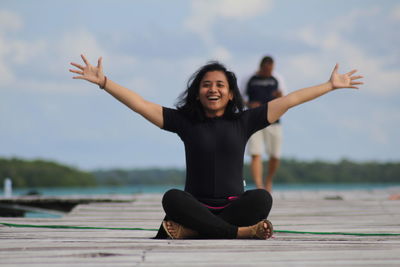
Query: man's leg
[257,170]
[273,165]
[273,139]
[255,149]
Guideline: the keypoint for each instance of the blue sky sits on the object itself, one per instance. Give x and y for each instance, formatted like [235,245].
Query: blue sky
[153,47]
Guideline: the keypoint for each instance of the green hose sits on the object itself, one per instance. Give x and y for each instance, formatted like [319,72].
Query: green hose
[151,229]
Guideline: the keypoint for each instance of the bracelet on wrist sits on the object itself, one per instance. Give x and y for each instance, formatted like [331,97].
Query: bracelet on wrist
[104,84]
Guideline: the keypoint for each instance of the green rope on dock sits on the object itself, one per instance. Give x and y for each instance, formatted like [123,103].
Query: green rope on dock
[74,227]
[337,233]
[151,229]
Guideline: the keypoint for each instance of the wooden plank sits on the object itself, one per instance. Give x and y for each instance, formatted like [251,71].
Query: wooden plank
[62,247]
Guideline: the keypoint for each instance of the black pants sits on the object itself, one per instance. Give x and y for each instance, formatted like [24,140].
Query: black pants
[248,209]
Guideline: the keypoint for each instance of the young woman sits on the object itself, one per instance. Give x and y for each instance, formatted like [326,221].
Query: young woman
[211,122]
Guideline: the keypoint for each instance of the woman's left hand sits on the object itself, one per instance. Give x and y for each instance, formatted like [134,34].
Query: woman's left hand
[347,80]
[89,72]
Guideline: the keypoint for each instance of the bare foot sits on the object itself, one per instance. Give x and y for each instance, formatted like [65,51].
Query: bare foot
[261,230]
[177,231]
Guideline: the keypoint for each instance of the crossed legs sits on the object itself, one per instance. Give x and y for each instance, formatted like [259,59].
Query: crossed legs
[238,220]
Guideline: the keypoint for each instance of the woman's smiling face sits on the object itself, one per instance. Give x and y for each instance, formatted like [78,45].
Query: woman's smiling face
[214,93]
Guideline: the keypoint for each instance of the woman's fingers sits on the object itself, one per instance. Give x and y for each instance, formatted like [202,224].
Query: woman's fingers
[335,69]
[353,83]
[353,79]
[356,77]
[77,65]
[87,72]
[346,80]
[76,71]
[85,60]
[351,72]
[99,62]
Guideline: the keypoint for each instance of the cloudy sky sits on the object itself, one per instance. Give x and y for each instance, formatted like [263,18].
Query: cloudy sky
[153,46]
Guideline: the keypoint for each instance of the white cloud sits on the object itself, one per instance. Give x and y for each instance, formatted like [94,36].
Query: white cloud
[24,51]
[48,61]
[80,42]
[241,9]
[221,53]
[142,86]
[395,15]
[379,132]
[68,49]
[9,21]
[6,74]
[201,20]
[206,13]
[14,52]
[307,35]
[382,131]
[331,44]
[307,65]
[43,59]
[349,21]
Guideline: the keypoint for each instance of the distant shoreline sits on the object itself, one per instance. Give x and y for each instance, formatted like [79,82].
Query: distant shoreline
[140,189]
[41,173]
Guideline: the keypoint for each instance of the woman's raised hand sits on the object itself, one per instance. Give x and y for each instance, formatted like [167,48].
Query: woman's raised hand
[89,72]
[347,80]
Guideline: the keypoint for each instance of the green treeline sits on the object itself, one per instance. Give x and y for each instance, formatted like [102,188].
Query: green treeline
[344,171]
[151,176]
[291,171]
[40,173]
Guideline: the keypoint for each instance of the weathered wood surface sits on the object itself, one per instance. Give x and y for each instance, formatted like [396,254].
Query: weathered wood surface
[57,205]
[366,212]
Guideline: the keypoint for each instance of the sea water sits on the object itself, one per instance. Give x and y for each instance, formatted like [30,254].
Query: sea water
[159,189]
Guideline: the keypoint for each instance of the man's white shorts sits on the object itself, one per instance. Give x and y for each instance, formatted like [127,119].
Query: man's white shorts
[269,138]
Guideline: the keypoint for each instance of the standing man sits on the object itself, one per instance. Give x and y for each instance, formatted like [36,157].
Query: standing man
[263,87]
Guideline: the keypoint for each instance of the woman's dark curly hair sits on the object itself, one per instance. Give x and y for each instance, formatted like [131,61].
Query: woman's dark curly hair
[188,101]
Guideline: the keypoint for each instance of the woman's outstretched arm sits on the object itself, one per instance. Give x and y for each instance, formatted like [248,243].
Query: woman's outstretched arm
[278,106]
[151,111]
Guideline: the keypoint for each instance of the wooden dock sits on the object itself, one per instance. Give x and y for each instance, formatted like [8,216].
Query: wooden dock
[345,212]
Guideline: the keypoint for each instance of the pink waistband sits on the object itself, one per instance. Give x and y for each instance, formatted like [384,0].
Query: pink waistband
[232,198]
[216,208]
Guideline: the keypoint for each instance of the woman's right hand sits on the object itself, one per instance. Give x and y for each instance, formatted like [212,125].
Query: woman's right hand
[347,80]
[89,72]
